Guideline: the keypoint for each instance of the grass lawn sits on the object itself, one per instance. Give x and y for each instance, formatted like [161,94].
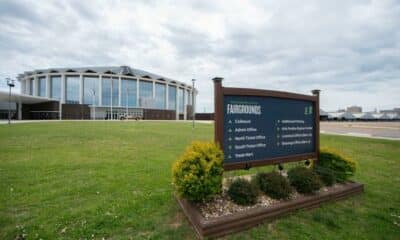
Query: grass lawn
[89,180]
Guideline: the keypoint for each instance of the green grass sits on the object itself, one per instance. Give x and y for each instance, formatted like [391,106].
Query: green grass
[77,180]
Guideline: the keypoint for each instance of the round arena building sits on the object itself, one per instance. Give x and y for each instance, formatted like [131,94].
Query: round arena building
[104,93]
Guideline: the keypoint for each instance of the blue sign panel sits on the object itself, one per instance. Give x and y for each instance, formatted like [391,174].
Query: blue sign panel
[260,128]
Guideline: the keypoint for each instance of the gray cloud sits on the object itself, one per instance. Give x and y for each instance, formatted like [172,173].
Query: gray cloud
[349,49]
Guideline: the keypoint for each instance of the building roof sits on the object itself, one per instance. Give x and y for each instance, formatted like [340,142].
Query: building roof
[322,113]
[335,114]
[123,70]
[358,115]
[23,98]
[367,116]
[348,115]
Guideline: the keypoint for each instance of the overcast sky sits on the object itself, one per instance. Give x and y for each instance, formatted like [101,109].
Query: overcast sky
[348,49]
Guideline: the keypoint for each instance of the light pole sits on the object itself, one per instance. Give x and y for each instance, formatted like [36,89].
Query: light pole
[193,111]
[94,103]
[11,84]
[111,100]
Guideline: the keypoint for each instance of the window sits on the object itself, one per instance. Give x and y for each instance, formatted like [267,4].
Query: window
[91,90]
[171,97]
[146,94]
[42,86]
[31,82]
[128,88]
[160,95]
[72,87]
[106,94]
[181,96]
[55,90]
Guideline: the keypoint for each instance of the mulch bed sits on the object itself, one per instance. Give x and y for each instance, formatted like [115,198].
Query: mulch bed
[221,216]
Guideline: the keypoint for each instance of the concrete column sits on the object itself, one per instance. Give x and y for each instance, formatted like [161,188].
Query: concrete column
[62,90]
[80,89]
[35,86]
[177,103]
[184,104]
[22,86]
[191,97]
[137,93]
[48,86]
[154,94]
[19,106]
[27,86]
[60,110]
[166,96]
[119,91]
[154,89]
[99,95]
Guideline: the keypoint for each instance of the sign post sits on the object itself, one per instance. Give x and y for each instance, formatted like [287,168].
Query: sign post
[257,127]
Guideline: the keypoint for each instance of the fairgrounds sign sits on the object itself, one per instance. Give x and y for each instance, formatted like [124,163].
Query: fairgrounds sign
[260,127]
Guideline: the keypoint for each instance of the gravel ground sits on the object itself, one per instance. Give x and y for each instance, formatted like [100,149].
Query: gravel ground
[223,206]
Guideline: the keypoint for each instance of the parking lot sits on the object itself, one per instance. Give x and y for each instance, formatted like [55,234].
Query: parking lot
[389,130]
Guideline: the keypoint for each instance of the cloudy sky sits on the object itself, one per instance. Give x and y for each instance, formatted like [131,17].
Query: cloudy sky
[348,49]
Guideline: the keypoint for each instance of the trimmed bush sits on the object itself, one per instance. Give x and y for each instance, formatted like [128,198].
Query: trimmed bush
[274,185]
[343,167]
[197,174]
[327,176]
[243,192]
[304,180]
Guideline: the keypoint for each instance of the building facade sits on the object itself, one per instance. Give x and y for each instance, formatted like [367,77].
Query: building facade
[354,109]
[108,93]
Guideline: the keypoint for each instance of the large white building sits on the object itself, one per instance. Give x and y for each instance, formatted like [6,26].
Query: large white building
[104,90]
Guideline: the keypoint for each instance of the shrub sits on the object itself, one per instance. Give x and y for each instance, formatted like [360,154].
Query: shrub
[197,174]
[242,192]
[304,180]
[343,167]
[274,185]
[327,176]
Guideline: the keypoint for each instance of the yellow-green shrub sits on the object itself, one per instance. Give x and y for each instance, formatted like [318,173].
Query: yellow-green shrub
[197,174]
[342,167]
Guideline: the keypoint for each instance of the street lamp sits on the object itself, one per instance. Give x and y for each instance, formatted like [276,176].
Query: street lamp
[193,111]
[11,84]
[111,100]
[94,103]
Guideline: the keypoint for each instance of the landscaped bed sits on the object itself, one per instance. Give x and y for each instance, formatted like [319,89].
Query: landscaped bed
[216,206]
[221,205]
[221,216]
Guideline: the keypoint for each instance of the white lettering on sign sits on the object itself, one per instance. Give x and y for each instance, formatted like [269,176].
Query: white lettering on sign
[243,109]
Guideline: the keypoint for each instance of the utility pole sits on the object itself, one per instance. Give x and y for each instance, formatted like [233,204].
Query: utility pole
[10,84]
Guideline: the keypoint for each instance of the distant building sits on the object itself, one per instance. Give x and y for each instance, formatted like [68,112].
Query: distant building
[113,92]
[354,109]
[392,111]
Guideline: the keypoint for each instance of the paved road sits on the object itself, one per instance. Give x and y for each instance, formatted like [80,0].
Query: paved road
[390,130]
